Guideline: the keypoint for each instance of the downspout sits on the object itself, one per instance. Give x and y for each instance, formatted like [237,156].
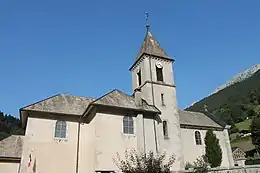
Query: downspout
[77,156]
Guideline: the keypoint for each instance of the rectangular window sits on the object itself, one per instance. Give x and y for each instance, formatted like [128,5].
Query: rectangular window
[162,99]
[165,129]
[159,74]
[139,78]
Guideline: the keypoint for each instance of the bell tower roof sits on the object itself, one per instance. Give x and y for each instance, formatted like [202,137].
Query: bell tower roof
[151,46]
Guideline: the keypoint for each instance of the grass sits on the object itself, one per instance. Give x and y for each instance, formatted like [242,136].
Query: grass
[245,143]
[244,125]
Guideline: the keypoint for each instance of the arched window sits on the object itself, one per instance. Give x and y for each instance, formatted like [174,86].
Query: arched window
[198,138]
[128,124]
[60,129]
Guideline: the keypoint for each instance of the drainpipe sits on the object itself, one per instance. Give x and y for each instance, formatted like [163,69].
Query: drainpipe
[77,156]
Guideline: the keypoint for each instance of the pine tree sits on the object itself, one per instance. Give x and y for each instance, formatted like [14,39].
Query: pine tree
[213,151]
[255,132]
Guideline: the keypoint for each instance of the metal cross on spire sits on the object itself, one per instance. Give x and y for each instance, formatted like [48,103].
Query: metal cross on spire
[147,20]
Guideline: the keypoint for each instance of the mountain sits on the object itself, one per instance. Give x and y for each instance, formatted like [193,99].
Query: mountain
[236,100]
[240,77]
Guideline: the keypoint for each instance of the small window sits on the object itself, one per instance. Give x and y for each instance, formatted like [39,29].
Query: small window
[128,124]
[198,138]
[159,74]
[60,129]
[165,129]
[139,78]
[162,99]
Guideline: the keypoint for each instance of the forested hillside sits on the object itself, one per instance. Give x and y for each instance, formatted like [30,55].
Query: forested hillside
[235,103]
[9,125]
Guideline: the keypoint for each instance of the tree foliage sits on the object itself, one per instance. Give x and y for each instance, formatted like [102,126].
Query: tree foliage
[213,154]
[9,125]
[198,166]
[255,132]
[144,163]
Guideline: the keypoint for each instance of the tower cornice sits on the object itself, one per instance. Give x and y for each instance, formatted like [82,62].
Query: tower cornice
[144,55]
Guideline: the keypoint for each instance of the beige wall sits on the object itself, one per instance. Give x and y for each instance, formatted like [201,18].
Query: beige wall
[171,145]
[7,167]
[110,139]
[240,162]
[49,154]
[102,138]
[191,151]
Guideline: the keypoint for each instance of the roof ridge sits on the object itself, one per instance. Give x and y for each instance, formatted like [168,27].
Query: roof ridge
[102,96]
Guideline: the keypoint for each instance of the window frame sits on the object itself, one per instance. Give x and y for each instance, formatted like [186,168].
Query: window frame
[62,127]
[165,129]
[139,78]
[128,125]
[159,74]
[198,140]
[162,99]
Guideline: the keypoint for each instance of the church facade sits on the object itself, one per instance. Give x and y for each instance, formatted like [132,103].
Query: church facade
[66,133]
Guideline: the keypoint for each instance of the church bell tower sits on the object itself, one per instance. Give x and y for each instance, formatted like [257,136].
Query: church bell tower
[152,74]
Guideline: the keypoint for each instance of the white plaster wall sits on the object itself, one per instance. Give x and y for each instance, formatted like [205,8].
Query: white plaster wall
[191,151]
[171,145]
[7,167]
[150,143]
[168,76]
[86,147]
[142,65]
[240,162]
[49,154]
[110,140]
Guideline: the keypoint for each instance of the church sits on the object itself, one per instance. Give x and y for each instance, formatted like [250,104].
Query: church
[72,134]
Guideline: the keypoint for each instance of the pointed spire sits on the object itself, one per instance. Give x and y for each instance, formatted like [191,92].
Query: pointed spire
[151,45]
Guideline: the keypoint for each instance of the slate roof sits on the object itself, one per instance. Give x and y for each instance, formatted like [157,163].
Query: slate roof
[120,99]
[152,46]
[62,103]
[196,119]
[11,146]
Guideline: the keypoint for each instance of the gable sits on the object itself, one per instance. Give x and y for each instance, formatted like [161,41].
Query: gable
[238,153]
[61,103]
[196,119]
[119,99]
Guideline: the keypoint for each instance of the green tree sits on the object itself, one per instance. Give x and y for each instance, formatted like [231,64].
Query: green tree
[143,163]
[234,129]
[253,97]
[213,151]
[255,132]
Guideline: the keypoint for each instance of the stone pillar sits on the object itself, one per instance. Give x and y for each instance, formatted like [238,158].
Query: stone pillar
[140,133]
[228,146]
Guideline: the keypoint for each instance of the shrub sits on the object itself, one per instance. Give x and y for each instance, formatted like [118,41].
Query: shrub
[144,163]
[200,165]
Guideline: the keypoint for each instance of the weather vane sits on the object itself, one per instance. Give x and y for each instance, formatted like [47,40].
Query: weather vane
[147,20]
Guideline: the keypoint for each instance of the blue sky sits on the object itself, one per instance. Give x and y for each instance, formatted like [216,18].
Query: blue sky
[86,48]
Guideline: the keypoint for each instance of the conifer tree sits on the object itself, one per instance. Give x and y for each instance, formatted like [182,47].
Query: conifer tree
[255,132]
[213,151]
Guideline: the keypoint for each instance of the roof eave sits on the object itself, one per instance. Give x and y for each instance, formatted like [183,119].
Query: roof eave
[144,53]
[133,109]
